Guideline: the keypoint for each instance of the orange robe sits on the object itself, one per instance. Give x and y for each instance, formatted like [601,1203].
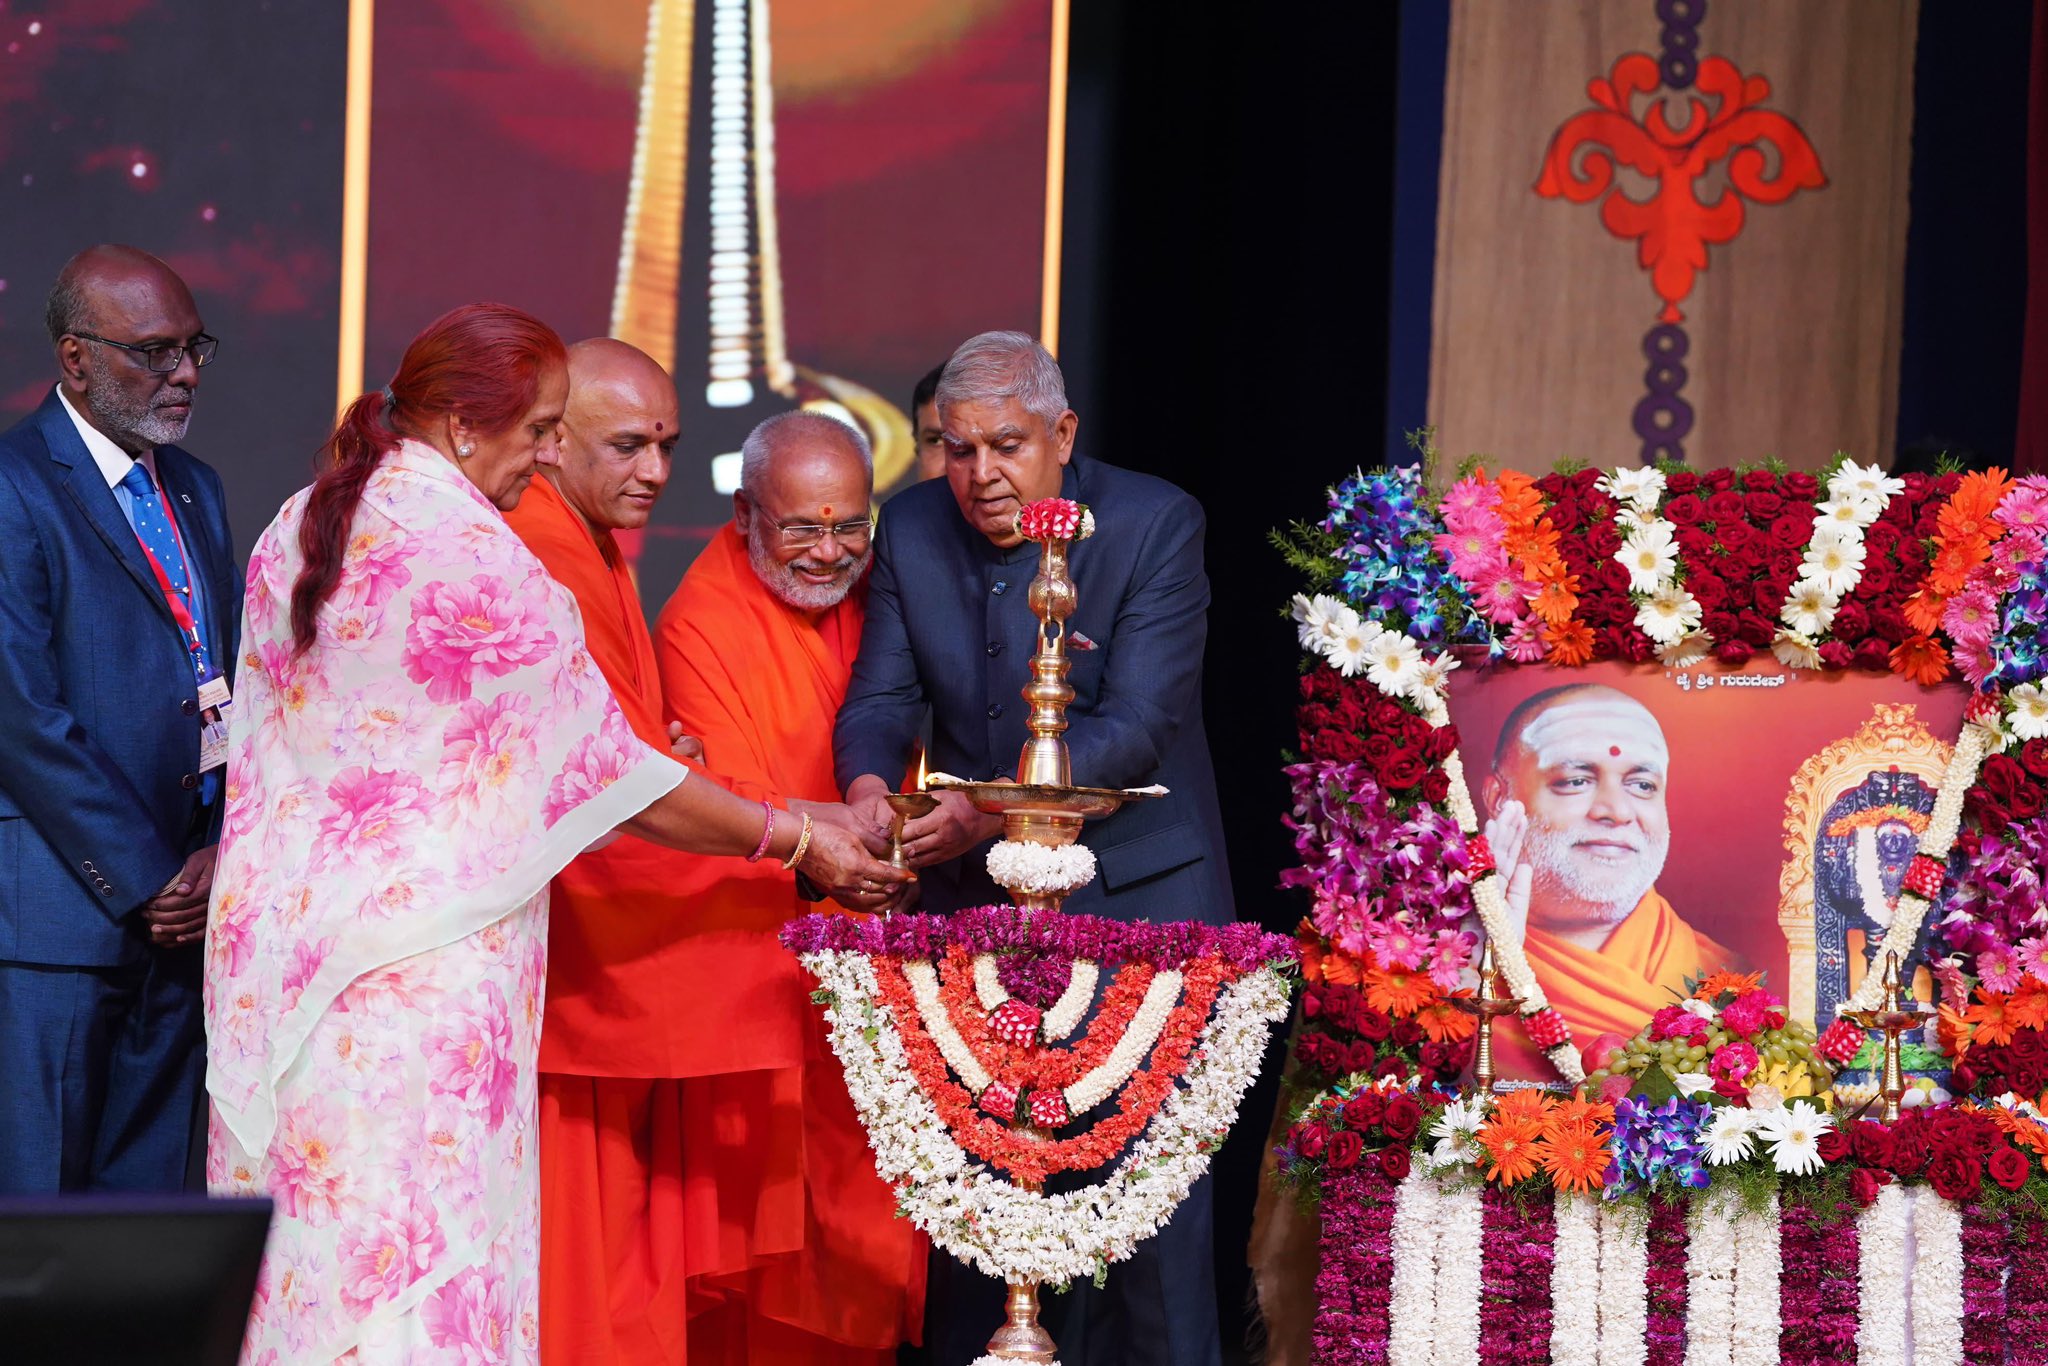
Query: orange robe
[759,684]
[1615,989]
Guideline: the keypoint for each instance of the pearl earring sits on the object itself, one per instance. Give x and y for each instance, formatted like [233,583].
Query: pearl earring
[465,450]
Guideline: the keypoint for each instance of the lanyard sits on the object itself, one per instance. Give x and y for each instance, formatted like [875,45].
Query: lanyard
[188,625]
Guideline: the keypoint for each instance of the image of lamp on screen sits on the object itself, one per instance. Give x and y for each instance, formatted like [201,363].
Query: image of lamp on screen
[700,269]
[1870,836]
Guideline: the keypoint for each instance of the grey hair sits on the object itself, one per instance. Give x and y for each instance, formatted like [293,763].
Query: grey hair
[996,366]
[67,310]
[761,443]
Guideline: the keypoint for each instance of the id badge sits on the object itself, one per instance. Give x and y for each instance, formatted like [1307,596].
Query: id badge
[216,707]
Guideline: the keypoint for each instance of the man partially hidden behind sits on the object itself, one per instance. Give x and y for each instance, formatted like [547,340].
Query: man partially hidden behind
[925,427]
[756,646]
[1580,829]
[671,1183]
[950,630]
[120,612]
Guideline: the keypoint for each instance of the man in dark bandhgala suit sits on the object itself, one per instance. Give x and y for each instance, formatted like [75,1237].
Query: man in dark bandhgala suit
[120,612]
[950,631]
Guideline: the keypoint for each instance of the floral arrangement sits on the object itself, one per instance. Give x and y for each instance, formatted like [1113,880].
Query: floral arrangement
[1728,1036]
[2001,1042]
[1055,519]
[950,1030]
[1041,869]
[1364,1018]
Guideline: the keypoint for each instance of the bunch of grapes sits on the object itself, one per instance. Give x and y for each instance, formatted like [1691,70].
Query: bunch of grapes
[1785,1059]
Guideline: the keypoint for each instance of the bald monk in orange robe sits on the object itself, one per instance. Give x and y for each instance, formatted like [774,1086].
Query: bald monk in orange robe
[1580,829]
[756,647]
[659,1160]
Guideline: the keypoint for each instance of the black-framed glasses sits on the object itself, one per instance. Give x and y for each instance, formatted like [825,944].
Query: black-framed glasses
[164,357]
[804,535]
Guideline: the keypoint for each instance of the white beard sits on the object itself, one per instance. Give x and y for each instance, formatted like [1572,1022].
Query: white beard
[1604,894]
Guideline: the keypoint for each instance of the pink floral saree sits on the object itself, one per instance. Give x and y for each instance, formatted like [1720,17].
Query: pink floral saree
[398,799]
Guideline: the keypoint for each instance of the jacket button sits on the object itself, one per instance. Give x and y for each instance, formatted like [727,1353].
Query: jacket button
[1000,585]
[105,890]
[995,709]
[87,865]
[189,781]
[189,707]
[995,647]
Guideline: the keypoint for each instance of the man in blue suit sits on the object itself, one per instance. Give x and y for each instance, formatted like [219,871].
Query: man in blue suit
[120,609]
[949,631]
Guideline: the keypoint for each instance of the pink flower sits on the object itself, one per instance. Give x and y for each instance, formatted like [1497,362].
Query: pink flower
[1998,968]
[1525,641]
[1970,617]
[2033,956]
[1050,519]
[2022,546]
[312,1177]
[479,625]
[2025,505]
[487,761]
[288,1291]
[1753,1011]
[1974,662]
[1499,597]
[373,567]
[470,1316]
[382,1258]
[376,815]
[1468,500]
[307,956]
[1733,1062]
[595,762]
[1448,957]
[1676,1022]
[1395,944]
[469,1053]
[446,1155]
[1334,913]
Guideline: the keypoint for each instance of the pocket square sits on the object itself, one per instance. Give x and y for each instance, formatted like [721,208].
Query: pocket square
[1077,641]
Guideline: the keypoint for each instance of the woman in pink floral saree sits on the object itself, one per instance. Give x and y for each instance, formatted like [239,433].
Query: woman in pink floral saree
[420,742]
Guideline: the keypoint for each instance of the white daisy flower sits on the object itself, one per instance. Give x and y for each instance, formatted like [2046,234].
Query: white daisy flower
[1731,1135]
[1809,609]
[1795,651]
[1649,557]
[1315,618]
[1667,614]
[1863,481]
[1350,650]
[2027,713]
[1849,511]
[1642,488]
[1793,1133]
[1434,674]
[1629,519]
[1835,566]
[1685,653]
[1394,664]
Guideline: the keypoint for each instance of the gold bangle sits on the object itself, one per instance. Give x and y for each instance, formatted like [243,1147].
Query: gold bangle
[803,842]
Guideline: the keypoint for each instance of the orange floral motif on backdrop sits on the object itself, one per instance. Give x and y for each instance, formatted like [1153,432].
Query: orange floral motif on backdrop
[1673,229]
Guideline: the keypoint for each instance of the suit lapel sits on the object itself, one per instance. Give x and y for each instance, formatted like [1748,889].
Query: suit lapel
[95,500]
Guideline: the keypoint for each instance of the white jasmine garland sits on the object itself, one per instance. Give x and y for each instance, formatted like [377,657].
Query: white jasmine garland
[1459,1252]
[1064,1015]
[995,1225]
[1937,1297]
[1881,1280]
[1710,1310]
[1575,1283]
[988,984]
[1758,1261]
[924,985]
[1624,1287]
[1412,1295]
[1143,1031]
[1040,869]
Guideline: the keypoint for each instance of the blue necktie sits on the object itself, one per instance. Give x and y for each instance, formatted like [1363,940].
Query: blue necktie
[153,529]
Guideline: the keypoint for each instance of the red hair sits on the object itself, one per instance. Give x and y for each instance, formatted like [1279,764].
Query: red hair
[480,362]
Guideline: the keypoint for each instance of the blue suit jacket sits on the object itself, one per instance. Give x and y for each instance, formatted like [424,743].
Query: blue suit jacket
[949,628]
[99,791]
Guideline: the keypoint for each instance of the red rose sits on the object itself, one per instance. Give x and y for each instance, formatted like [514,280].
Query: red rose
[1852,620]
[2025,803]
[1758,480]
[1721,625]
[1735,651]
[1799,484]
[1762,505]
[1877,579]
[2002,776]
[2029,1047]
[2008,1168]
[1310,1139]
[1889,623]
[2034,757]
[1311,1003]
[1344,1149]
[1394,1163]
[1613,576]
[1864,1184]
[1379,747]
[1403,770]
[1833,1146]
[1912,555]
[1564,515]
[1734,535]
[1436,787]
[1784,568]
[1684,510]
[1395,1068]
[1954,1176]
[1835,655]
[1874,653]
[1358,1057]
[1407,1033]
[1636,647]
[1725,506]
[1385,714]
[1602,539]
[1371,1024]
[1715,480]
[1438,744]
[1757,630]
[1878,539]
[1790,531]
[1909,1151]
[1402,1119]
[1364,1110]
[1681,481]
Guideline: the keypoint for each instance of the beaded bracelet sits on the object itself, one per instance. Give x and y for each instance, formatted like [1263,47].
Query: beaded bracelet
[767,833]
[803,842]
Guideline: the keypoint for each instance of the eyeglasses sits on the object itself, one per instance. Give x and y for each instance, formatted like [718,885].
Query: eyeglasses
[164,357]
[804,535]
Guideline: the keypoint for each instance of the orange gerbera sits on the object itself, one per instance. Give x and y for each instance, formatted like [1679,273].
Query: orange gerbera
[1398,991]
[1520,500]
[1921,660]
[2027,1007]
[1573,1110]
[2024,1132]
[1575,1157]
[1570,643]
[1443,1022]
[1952,1029]
[1717,982]
[1993,1025]
[1969,508]
[1341,969]
[1923,611]
[1514,1146]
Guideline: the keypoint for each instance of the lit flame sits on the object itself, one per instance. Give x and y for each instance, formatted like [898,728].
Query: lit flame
[921,768]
